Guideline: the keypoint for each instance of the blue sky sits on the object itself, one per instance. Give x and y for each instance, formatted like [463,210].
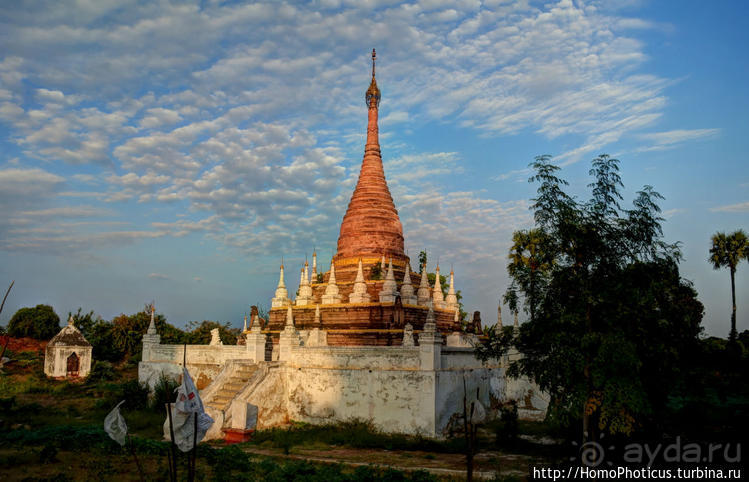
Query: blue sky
[175,152]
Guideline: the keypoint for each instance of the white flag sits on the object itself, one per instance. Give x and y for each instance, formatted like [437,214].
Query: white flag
[188,399]
[184,411]
[115,426]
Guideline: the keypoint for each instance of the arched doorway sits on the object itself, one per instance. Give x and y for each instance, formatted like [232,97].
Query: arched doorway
[73,365]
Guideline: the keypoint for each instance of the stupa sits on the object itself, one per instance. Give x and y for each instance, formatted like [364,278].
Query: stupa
[371,236]
[368,339]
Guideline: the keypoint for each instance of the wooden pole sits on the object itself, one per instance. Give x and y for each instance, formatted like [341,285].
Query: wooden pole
[194,446]
[6,295]
[173,466]
[137,462]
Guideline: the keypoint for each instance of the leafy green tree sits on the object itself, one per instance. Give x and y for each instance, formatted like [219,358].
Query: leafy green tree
[128,331]
[422,260]
[85,322]
[611,318]
[530,263]
[40,322]
[200,333]
[727,251]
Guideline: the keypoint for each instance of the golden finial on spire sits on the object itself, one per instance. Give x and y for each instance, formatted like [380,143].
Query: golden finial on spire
[373,92]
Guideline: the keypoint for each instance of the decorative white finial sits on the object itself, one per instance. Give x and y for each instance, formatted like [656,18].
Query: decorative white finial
[245,324]
[451,300]
[289,317]
[407,290]
[281,297]
[424,295]
[305,290]
[499,315]
[389,287]
[437,296]
[70,320]
[152,325]
[359,293]
[331,295]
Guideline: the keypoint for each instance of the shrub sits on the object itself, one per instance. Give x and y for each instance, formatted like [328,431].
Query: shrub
[507,429]
[40,322]
[101,371]
[135,395]
[163,392]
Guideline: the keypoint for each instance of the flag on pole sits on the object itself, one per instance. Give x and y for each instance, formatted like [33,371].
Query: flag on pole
[115,426]
[188,403]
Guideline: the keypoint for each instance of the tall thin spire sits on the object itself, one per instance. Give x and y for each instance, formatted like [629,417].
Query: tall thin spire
[371,224]
[152,324]
[331,295]
[389,287]
[407,290]
[281,297]
[437,296]
[423,295]
[451,300]
[359,293]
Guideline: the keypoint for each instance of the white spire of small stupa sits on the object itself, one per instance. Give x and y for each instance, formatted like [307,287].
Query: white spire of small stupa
[407,290]
[289,317]
[423,295]
[305,290]
[359,293]
[437,296]
[451,300]
[314,266]
[331,295]
[499,315]
[152,324]
[389,287]
[281,297]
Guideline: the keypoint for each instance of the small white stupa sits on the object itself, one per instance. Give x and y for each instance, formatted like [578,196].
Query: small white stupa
[68,354]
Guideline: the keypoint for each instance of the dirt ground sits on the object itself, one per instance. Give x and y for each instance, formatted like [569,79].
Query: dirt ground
[486,464]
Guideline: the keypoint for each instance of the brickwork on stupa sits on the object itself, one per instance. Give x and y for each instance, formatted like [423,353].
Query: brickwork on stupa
[371,234]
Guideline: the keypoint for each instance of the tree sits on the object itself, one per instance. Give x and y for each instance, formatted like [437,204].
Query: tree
[611,318]
[200,333]
[128,330]
[530,263]
[727,251]
[422,260]
[40,322]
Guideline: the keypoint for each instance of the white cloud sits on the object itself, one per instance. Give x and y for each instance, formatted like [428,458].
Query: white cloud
[732,208]
[659,141]
[158,276]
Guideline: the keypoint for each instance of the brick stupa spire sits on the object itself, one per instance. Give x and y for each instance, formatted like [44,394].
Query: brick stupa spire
[371,225]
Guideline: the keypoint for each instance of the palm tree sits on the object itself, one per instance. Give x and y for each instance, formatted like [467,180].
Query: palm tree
[727,251]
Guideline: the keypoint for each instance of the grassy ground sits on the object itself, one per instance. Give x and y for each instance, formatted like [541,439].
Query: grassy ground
[52,430]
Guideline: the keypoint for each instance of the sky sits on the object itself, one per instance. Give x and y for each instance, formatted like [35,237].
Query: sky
[176,151]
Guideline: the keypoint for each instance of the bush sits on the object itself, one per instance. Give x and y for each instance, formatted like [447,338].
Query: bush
[163,392]
[40,322]
[135,395]
[102,371]
[507,430]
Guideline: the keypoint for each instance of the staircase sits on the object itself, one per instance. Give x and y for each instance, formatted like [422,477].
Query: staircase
[220,399]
